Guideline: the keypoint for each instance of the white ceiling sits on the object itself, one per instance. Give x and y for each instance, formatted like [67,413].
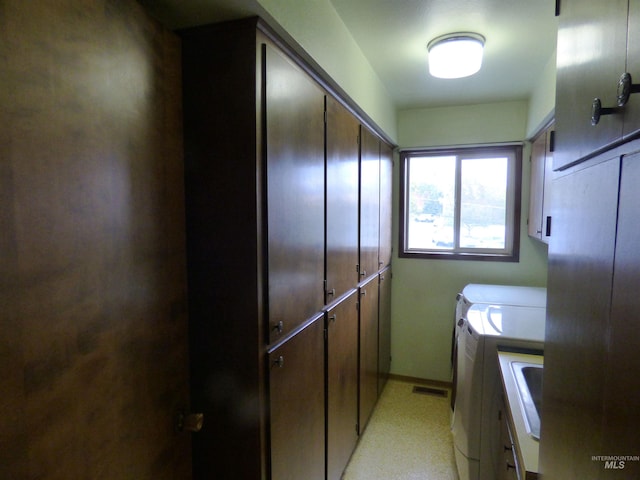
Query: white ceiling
[393,34]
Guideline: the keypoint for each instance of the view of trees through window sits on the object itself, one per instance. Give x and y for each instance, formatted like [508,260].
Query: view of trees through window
[457,202]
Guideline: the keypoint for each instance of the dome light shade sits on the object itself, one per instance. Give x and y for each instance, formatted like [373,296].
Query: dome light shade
[455,55]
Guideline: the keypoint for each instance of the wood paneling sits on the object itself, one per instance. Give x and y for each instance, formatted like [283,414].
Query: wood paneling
[93,289]
[342,200]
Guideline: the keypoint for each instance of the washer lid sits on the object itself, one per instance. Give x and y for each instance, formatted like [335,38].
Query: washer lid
[506,321]
[506,295]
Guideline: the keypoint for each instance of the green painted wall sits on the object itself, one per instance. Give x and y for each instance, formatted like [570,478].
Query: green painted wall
[424,291]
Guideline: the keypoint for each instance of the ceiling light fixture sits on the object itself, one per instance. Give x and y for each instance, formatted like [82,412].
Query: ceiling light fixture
[455,55]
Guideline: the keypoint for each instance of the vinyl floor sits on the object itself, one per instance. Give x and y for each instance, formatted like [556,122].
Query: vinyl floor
[408,437]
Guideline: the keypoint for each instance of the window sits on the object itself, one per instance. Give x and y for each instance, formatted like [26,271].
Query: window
[461,203]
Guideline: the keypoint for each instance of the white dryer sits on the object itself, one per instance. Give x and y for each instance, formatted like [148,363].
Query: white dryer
[483,328]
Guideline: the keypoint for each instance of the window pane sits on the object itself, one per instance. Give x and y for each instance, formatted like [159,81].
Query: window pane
[483,203]
[431,202]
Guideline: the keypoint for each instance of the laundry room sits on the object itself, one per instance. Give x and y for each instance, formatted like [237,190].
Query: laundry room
[277,240]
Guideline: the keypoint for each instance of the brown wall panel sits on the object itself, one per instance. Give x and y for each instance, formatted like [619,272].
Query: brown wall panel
[93,293]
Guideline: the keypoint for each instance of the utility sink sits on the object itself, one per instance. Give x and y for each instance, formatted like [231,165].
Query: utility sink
[529,381]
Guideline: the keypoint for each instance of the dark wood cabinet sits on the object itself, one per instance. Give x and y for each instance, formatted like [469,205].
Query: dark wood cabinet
[581,256]
[384,327]
[386,186]
[621,385]
[341,200]
[369,203]
[539,224]
[342,384]
[597,43]
[368,350]
[296,405]
[293,123]
[274,179]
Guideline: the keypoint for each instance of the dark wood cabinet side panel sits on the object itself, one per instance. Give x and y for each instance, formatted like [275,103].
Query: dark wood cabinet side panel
[369,203]
[341,199]
[342,384]
[223,176]
[297,406]
[621,380]
[295,193]
[581,256]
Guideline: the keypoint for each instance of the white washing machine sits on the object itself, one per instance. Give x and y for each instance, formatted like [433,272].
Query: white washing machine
[473,293]
[475,425]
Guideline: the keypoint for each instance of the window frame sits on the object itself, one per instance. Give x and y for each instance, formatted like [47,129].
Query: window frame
[514,202]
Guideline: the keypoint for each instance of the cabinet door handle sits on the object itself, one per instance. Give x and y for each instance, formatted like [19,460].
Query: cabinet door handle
[278,327]
[333,317]
[626,88]
[331,292]
[278,362]
[597,110]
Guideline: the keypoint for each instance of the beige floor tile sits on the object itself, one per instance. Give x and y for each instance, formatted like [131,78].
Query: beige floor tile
[408,437]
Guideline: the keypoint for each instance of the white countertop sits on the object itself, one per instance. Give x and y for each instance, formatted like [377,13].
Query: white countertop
[527,446]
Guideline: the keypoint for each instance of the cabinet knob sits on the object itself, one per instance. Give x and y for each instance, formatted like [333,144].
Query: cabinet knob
[597,110]
[626,88]
[278,362]
[189,422]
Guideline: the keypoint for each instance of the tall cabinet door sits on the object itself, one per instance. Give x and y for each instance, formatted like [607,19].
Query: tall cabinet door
[296,387]
[621,383]
[592,38]
[581,254]
[341,200]
[386,179]
[342,384]
[369,202]
[368,350]
[384,328]
[294,121]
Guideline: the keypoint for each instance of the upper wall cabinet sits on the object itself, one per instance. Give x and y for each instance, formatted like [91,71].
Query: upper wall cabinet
[386,177]
[342,200]
[595,51]
[369,203]
[539,225]
[293,113]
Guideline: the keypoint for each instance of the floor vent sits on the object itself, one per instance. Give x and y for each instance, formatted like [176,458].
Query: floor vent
[430,391]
